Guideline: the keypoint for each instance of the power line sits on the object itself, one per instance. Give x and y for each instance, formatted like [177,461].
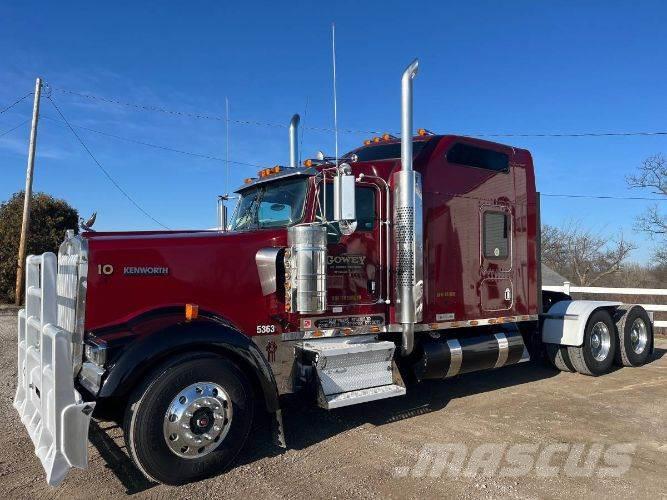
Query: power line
[157,146]
[601,197]
[576,134]
[255,165]
[215,158]
[106,173]
[201,116]
[15,103]
[205,116]
[14,128]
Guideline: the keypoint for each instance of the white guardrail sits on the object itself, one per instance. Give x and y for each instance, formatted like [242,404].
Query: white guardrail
[568,288]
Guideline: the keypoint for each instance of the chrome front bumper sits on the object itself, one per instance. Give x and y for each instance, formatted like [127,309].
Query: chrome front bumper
[56,417]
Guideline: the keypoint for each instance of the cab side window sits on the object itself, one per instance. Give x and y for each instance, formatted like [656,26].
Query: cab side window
[365,206]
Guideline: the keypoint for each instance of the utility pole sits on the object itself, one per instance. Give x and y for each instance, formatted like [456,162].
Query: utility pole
[25,224]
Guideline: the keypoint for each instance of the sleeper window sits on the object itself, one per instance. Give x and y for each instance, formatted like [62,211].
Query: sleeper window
[496,235]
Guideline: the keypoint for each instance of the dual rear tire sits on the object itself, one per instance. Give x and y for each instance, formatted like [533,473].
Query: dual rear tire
[626,340]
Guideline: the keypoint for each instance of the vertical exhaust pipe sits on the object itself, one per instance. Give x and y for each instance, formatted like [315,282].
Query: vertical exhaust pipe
[406,115]
[293,144]
[408,233]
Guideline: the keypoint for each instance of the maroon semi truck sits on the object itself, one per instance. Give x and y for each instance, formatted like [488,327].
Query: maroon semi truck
[345,280]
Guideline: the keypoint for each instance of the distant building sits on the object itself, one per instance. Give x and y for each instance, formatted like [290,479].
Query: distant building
[551,277]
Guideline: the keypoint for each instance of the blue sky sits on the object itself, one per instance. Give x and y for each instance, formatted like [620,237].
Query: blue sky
[486,67]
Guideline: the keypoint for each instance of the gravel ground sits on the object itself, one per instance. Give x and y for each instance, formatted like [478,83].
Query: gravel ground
[374,450]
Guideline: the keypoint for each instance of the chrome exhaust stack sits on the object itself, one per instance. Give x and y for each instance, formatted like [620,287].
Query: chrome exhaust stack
[408,224]
[293,138]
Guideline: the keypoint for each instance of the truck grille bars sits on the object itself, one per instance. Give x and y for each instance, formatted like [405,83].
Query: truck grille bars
[71,291]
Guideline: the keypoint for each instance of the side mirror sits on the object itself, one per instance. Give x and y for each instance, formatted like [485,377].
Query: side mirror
[344,195]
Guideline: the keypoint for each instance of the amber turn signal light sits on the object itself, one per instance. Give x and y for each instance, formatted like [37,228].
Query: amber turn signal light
[191,311]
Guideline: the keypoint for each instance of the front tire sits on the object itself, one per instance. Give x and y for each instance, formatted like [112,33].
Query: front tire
[634,335]
[596,355]
[189,420]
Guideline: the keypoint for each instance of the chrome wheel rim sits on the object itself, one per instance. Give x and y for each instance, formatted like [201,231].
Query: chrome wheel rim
[600,341]
[638,336]
[197,420]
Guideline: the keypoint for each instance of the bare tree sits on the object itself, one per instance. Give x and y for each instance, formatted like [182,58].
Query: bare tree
[581,255]
[652,175]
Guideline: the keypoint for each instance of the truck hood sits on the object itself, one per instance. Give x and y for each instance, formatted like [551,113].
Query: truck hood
[133,273]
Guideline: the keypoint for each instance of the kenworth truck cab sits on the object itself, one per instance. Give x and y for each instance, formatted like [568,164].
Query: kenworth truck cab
[345,279]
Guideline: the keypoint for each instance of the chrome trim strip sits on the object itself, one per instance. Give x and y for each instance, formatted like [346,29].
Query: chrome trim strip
[503,349]
[398,328]
[427,327]
[456,357]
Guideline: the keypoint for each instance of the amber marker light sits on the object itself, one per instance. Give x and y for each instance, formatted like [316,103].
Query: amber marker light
[191,312]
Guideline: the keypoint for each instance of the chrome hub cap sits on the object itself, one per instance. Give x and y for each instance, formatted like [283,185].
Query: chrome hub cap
[197,420]
[638,336]
[600,341]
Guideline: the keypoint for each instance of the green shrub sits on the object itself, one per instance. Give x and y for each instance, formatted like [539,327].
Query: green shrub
[49,219]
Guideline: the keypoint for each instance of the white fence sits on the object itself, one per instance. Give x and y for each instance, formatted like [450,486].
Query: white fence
[568,288]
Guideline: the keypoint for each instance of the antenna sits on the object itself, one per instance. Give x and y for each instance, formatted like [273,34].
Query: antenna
[333,52]
[226,146]
[303,126]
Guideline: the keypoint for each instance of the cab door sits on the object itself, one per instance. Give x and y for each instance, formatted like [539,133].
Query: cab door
[356,263]
[496,257]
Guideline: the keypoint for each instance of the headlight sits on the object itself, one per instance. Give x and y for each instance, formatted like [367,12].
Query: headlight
[96,352]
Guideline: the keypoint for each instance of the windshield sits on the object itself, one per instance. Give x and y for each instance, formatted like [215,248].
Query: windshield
[274,204]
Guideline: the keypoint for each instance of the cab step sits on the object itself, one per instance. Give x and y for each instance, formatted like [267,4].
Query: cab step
[352,370]
[362,396]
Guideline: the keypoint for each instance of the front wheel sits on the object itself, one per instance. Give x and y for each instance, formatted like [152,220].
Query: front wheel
[596,355]
[189,420]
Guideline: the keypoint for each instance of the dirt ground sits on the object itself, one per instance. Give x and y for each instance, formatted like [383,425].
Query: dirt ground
[374,450]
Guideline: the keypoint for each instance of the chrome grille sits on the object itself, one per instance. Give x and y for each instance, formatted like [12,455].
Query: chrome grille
[71,292]
[66,285]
